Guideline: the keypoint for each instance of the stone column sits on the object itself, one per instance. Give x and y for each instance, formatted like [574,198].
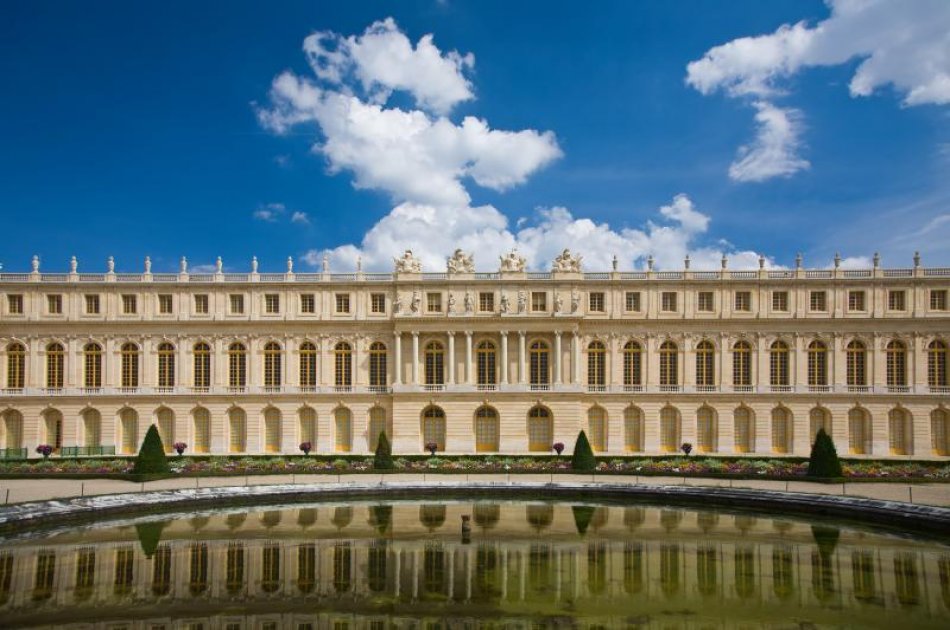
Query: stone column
[469,372]
[522,372]
[397,358]
[415,358]
[504,357]
[557,357]
[451,358]
[576,350]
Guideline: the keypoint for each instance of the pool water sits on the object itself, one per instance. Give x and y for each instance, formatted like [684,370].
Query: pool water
[517,565]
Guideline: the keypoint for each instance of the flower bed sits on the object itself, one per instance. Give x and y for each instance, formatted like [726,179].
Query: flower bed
[682,466]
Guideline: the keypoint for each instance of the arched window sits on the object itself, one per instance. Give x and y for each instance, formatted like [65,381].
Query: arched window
[129,425]
[940,431]
[705,364]
[272,430]
[130,365]
[434,356]
[91,429]
[859,431]
[307,426]
[937,364]
[538,365]
[53,429]
[818,418]
[378,424]
[540,430]
[896,364]
[202,430]
[900,432]
[485,358]
[669,370]
[16,366]
[343,421]
[433,427]
[596,365]
[633,429]
[166,428]
[857,359]
[343,366]
[817,364]
[12,429]
[632,365]
[744,430]
[92,366]
[669,429]
[778,364]
[55,364]
[237,365]
[166,365]
[486,430]
[202,364]
[707,430]
[781,430]
[272,365]
[597,428]
[377,365]
[308,365]
[237,430]
[742,364]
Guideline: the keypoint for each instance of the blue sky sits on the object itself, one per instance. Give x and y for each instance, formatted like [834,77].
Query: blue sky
[133,129]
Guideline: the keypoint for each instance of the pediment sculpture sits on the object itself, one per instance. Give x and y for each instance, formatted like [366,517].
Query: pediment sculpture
[407,263]
[460,262]
[512,262]
[566,262]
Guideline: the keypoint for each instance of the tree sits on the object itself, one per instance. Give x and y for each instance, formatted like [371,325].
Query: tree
[824,461]
[583,457]
[383,458]
[151,458]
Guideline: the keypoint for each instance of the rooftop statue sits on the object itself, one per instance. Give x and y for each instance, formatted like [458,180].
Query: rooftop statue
[460,262]
[407,263]
[565,262]
[512,261]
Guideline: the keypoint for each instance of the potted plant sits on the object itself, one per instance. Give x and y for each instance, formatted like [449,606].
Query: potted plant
[432,447]
[558,448]
[687,448]
[179,448]
[306,447]
[45,450]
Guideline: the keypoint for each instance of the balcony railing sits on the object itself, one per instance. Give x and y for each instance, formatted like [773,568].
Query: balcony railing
[12,453]
[86,451]
[487,387]
[596,388]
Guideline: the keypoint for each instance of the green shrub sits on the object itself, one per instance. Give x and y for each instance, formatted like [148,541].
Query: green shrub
[583,457]
[151,459]
[383,458]
[824,460]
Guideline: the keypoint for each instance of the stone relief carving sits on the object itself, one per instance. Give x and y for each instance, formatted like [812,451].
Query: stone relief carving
[460,262]
[407,263]
[566,262]
[511,262]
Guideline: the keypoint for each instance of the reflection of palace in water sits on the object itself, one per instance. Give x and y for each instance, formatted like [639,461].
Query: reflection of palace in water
[407,565]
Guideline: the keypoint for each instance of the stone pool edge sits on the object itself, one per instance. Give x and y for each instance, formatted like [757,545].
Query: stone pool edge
[918,518]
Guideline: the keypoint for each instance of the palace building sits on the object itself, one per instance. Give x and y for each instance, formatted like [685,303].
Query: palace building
[511,362]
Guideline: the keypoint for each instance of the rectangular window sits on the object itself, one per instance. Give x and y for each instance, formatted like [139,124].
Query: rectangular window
[855,300]
[434,302]
[54,304]
[818,301]
[631,301]
[377,302]
[271,303]
[166,304]
[342,303]
[704,302]
[486,302]
[237,304]
[668,302]
[780,301]
[15,304]
[129,304]
[896,300]
[938,299]
[201,304]
[595,302]
[308,303]
[92,304]
[743,301]
[539,301]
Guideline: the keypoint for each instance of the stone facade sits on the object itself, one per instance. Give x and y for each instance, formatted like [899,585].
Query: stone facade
[510,361]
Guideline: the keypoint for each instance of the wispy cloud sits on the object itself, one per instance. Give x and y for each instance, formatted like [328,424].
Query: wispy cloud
[270,212]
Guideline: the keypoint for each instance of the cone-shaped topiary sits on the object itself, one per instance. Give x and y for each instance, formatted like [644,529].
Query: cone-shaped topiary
[583,457]
[383,458]
[583,514]
[824,457]
[151,459]
[150,535]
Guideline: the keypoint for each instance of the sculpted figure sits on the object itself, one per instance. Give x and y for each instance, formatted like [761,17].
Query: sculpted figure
[397,304]
[522,301]
[558,303]
[460,262]
[416,302]
[407,263]
[469,302]
[512,262]
[451,304]
[575,301]
[504,302]
[565,262]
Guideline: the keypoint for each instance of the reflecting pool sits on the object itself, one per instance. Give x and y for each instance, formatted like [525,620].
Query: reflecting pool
[519,565]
